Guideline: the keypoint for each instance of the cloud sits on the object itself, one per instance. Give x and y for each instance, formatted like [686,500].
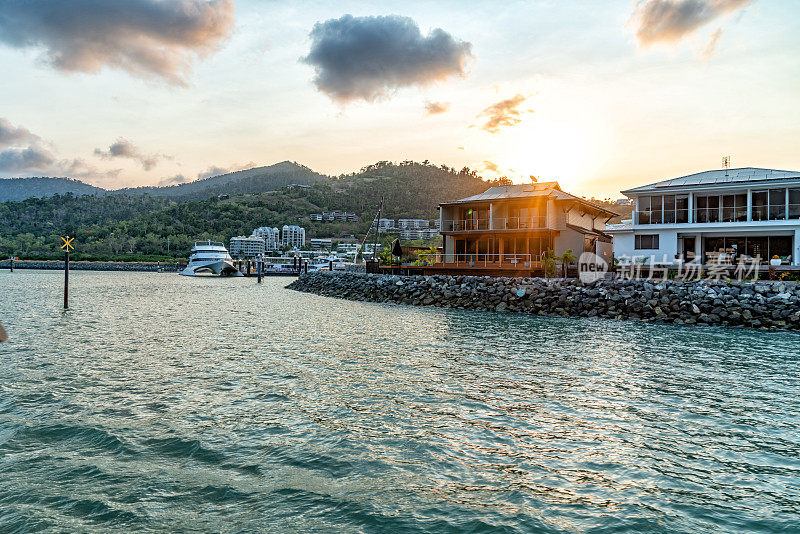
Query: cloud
[216,171]
[669,21]
[435,108]
[122,148]
[491,166]
[711,47]
[31,158]
[147,38]
[24,154]
[173,180]
[11,135]
[368,57]
[503,113]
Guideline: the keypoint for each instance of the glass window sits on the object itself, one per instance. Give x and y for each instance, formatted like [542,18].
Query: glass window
[655,210]
[682,209]
[728,208]
[646,242]
[759,206]
[794,203]
[777,204]
[669,209]
[644,210]
[740,213]
[713,209]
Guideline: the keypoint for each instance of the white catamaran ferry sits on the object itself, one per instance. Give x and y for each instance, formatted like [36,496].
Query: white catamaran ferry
[210,258]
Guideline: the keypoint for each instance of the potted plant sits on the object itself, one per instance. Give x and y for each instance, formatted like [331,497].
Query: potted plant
[775,261]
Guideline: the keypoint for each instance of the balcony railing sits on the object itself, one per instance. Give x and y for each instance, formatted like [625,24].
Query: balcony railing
[522,261]
[496,223]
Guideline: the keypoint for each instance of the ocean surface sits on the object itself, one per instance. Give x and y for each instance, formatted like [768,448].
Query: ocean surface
[164,403]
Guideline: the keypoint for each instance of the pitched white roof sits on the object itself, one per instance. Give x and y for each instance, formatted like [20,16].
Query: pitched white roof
[719,177]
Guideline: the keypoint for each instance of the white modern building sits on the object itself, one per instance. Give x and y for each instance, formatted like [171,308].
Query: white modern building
[294,236]
[317,243]
[412,223]
[271,237]
[419,233]
[246,246]
[385,224]
[742,214]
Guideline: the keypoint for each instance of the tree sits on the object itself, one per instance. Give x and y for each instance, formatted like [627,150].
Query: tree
[549,263]
[566,258]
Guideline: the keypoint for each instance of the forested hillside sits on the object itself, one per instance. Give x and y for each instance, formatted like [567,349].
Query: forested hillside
[22,188]
[250,181]
[133,225]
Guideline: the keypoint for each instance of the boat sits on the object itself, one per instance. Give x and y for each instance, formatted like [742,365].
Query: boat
[209,257]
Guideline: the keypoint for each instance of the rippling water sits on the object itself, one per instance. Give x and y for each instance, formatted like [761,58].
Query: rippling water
[159,402]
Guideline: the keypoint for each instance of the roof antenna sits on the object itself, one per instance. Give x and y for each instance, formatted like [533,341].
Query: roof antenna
[726,164]
[533,178]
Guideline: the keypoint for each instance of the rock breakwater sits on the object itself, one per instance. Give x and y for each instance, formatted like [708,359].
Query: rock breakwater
[756,305]
[92,265]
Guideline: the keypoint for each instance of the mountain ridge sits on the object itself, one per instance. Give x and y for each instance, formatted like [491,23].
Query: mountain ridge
[247,181]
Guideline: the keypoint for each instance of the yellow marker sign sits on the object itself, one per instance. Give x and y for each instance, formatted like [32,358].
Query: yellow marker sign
[67,243]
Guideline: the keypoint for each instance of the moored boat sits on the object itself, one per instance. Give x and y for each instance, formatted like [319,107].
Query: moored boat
[212,258]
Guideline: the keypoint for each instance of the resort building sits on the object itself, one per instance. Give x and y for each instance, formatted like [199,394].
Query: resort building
[320,243]
[507,229]
[246,246]
[271,237]
[330,216]
[418,233]
[728,214]
[386,224]
[294,236]
[412,223]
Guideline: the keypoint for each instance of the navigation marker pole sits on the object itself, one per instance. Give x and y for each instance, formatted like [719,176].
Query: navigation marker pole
[66,246]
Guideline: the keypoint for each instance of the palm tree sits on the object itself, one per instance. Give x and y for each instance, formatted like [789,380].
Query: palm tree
[565,259]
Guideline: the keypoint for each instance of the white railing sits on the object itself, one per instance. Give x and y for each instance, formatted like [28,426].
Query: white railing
[496,223]
[481,260]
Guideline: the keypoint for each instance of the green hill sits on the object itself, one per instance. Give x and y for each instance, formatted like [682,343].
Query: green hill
[250,181]
[22,188]
[137,223]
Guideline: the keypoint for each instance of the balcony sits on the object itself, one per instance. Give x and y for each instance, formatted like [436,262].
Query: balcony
[495,224]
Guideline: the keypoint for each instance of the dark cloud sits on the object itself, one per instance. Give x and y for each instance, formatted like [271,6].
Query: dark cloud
[122,148]
[32,158]
[12,135]
[144,37]
[435,108]
[503,113]
[671,20]
[367,57]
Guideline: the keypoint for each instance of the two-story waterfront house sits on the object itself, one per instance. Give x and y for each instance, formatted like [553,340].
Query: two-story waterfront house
[507,229]
[732,213]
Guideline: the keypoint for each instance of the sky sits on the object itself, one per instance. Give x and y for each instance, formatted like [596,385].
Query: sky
[599,95]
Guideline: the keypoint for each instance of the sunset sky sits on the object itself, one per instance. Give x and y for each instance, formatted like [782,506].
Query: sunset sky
[600,95]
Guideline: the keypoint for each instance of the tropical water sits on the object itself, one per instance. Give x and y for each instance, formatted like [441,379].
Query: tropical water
[164,403]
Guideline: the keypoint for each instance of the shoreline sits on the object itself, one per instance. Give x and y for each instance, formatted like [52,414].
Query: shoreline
[743,304]
[51,265]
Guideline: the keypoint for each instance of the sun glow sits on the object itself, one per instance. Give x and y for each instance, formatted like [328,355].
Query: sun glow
[555,144]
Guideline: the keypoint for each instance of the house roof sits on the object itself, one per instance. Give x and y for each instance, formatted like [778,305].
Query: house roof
[718,177]
[624,226]
[536,189]
[499,192]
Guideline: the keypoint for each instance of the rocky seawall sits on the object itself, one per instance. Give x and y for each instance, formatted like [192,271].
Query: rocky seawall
[91,266]
[756,305]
